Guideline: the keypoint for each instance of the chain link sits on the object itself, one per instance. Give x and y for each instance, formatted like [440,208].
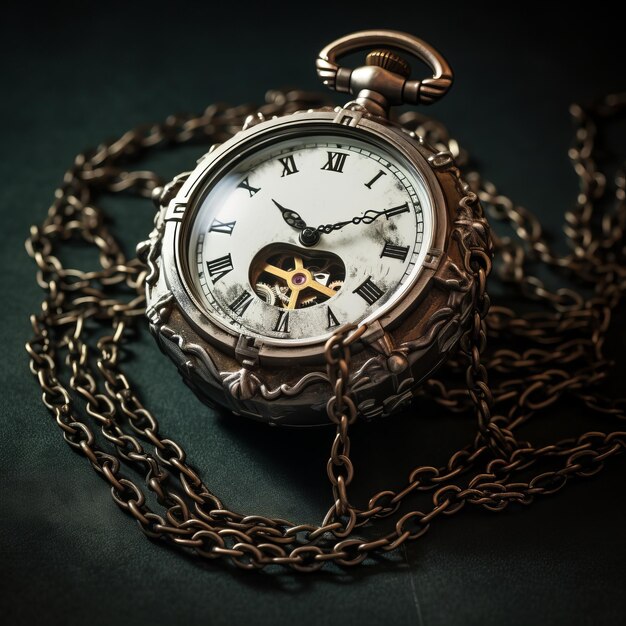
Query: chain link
[535,358]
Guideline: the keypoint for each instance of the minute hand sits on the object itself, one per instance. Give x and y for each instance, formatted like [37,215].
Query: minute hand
[367,218]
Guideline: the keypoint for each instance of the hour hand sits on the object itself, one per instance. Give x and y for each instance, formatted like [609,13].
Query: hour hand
[291,217]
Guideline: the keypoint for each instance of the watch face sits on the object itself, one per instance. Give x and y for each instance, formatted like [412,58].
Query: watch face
[306,233]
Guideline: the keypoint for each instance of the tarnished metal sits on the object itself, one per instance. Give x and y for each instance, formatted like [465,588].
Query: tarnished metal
[287,385]
[383,80]
[535,358]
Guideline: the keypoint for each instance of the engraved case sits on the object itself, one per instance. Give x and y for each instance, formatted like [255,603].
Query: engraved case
[287,384]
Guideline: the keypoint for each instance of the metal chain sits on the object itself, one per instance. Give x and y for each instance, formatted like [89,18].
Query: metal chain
[534,359]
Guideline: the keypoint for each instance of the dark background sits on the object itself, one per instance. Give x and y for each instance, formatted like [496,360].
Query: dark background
[77,73]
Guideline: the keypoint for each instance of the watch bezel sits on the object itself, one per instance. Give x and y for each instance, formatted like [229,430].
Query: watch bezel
[182,210]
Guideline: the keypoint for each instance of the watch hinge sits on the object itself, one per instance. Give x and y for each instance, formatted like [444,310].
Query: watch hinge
[432,259]
[441,160]
[247,351]
[175,212]
[374,333]
[348,117]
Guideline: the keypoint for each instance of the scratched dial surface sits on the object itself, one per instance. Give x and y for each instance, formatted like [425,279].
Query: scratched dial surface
[369,220]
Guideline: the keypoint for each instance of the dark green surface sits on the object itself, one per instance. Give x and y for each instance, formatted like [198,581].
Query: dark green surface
[74,75]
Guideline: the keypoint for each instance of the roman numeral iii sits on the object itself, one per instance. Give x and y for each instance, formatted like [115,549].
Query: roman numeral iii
[289,165]
[336,161]
[218,268]
[395,252]
[369,291]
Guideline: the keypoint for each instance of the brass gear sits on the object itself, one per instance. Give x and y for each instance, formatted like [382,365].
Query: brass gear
[310,301]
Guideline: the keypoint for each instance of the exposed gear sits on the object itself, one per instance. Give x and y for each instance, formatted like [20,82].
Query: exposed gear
[282,292]
[309,301]
[266,293]
[280,270]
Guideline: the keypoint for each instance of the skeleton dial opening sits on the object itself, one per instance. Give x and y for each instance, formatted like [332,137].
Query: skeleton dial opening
[370,216]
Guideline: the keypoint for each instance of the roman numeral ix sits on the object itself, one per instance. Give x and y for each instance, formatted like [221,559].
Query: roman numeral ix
[369,291]
[336,161]
[218,268]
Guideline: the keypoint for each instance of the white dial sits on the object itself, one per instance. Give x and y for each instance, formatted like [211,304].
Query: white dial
[368,219]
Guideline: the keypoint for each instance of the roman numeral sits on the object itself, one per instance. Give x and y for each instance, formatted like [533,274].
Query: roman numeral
[336,161]
[218,268]
[395,252]
[289,165]
[239,305]
[222,227]
[330,317]
[245,184]
[369,291]
[381,173]
[396,210]
[282,323]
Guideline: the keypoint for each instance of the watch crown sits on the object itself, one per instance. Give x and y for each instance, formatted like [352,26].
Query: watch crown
[390,61]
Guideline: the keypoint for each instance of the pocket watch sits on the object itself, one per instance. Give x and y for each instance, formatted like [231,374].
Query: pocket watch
[318,267]
[301,224]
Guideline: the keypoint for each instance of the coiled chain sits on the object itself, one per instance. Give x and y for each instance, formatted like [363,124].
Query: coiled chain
[535,358]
